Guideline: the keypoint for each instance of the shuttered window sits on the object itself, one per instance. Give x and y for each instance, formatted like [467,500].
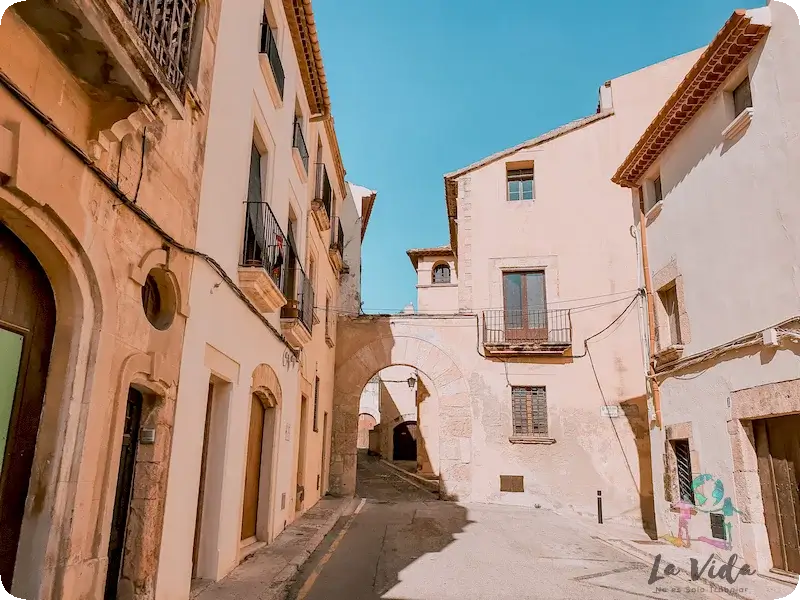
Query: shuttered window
[683,464]
[529,411]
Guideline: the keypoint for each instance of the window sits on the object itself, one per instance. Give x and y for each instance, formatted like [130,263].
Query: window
[658,194]
[683,465]
[327,317]
[529,411]
[742,99]
[525,306]
[441,273]
[520,184]
[269,46]
[316,404]
[669,300]
[298,138]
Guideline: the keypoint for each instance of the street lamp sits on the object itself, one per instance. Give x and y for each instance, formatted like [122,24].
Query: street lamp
[411,381]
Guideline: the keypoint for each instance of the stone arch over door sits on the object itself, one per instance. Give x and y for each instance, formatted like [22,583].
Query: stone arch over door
[376,352]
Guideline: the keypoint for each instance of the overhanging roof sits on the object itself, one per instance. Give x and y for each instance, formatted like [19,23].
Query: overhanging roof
[743,31]
[416,253]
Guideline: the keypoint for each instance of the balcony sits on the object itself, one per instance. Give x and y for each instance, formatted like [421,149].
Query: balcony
[323,199]
[336,250]
[271,63]
[297,316]
[262,272]
[526,332]
[136,51]
[299,150]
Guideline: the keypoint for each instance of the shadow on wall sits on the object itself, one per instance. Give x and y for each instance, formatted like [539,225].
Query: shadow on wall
[635,411]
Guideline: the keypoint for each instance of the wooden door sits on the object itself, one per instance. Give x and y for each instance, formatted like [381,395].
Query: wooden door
[198,522]
[27,321]
[301,455]
[778,449]
[525,307]
[122,500]
[252,479]
[324,468]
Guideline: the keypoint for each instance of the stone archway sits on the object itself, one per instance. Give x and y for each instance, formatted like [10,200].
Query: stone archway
[371,351]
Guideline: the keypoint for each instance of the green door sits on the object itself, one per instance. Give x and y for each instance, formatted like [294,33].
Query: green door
[10,355]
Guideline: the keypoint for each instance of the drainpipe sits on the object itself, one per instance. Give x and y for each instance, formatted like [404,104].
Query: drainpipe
[651,313]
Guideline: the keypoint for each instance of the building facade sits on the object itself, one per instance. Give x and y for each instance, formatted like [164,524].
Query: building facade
[252,430]
[101,156]
[720,225]
[527,340]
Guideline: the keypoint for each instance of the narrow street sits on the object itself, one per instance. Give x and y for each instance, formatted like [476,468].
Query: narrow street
[403,544]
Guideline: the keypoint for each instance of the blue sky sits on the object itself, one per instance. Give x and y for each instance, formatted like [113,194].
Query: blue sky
[423,87]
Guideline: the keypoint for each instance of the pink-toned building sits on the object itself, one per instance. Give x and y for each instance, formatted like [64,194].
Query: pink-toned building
[714,179]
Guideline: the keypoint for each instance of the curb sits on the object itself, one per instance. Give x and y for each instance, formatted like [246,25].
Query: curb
[421,482]
[279,586]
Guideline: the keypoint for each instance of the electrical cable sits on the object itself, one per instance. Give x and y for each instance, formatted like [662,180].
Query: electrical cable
[48,123]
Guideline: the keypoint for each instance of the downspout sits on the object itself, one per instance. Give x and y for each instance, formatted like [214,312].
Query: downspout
[651,313]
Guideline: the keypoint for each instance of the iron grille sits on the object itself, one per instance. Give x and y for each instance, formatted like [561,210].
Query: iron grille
[529,411]
[683,462]
[165,27]
[323,191]
[531,326]
[299,142]
[269,47]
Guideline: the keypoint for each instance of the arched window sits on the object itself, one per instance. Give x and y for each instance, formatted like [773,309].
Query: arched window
[441,273]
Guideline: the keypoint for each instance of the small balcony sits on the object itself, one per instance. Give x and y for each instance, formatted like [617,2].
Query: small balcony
[271,63]
[508,332]
[323,198]
[120,50]
[297,316]
[262,272]
[336,250]
[299,150]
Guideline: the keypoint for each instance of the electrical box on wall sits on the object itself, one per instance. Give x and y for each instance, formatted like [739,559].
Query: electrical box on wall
[147,436]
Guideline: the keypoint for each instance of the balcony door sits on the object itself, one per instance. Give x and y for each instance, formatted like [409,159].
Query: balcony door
[525,306]
[255,238]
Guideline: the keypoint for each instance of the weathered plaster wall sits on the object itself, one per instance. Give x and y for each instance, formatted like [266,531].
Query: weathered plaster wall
[96,254]
[350,301]
[730,225]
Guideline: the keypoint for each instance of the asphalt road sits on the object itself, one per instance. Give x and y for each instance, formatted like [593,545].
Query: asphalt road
[403,544]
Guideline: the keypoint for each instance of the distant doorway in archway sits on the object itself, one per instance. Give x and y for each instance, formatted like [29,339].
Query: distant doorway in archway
[405,441]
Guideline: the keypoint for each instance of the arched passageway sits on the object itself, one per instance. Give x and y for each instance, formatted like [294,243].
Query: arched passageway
[366,346]
[405,441]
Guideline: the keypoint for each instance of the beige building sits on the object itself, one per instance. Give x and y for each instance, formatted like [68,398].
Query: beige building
[715,191]
[252,430]
[527,339]
[102,133]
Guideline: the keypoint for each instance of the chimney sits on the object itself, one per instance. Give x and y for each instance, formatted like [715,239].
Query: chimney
[606,102]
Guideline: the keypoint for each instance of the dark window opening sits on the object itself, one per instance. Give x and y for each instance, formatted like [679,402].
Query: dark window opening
[742,98]
[441,274]
[683,465]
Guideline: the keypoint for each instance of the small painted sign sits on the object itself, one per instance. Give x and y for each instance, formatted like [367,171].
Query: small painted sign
[613,411]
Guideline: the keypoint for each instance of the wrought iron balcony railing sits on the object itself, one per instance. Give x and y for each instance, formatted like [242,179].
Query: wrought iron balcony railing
[264,242]
[299,142]
[165,26]
[269,47]
[323,191]
[528,327]
[299,292]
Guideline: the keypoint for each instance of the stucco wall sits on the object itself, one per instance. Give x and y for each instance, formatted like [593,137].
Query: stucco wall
[350,301]
[242,107]
[432,297]
[729,225]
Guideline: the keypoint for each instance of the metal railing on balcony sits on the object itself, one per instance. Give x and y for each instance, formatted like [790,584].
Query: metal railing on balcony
[337,235]
[269,47]
[299,142]
[264,242]
[299,293]
[165,26]
[323,191]
[527,327]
